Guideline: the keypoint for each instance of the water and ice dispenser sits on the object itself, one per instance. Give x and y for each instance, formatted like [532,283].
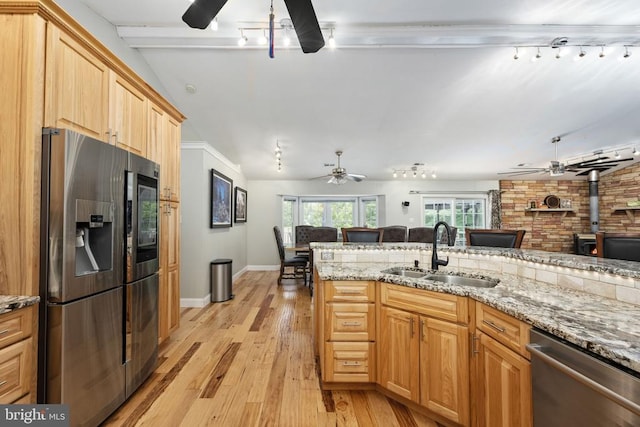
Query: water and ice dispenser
[94,237]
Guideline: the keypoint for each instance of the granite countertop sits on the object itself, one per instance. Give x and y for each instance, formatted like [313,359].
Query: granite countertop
[606,327]
[589,263]
[8,303]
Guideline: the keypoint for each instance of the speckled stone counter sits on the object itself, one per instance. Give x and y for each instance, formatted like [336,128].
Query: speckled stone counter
[9,303]
[604,326]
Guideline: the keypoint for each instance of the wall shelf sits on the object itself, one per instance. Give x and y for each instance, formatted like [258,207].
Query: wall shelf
[536,211]
[629,210]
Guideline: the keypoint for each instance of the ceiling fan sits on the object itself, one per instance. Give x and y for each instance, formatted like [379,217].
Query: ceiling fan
[303,17]
[339,174]
[556,168]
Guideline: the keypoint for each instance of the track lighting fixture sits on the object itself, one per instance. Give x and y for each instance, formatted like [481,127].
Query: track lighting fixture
[516,56]
[601,52]
[559,54]
[415,170]
[278,156]
[242,41]
[262,39]
[537,57]
[616,155]
[626,52]
[332,41]
[582,53]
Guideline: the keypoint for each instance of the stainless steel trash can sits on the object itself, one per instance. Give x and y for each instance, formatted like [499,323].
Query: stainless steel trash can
[221,280]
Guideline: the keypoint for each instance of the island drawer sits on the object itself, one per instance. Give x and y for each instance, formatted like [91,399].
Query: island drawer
[15,326]
[350,291]
[350,362]
[434,304]
[350,322]
[504,328]
[15,371]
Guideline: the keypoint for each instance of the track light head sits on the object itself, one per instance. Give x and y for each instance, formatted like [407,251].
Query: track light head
[626,52]
[601,55]
[516,56]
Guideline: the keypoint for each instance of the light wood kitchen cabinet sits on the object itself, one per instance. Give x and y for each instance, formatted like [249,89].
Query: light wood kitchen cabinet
[77,86]
[426,353]
[127,116]
[399,355]
[169,291]
[18,331]
[347,331]
[503,370]
[171,160]
[22,89]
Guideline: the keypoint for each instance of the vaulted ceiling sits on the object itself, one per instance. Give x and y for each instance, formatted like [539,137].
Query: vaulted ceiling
[429,82]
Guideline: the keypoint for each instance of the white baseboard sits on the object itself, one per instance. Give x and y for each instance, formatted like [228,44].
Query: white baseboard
[263,267]
[204,301]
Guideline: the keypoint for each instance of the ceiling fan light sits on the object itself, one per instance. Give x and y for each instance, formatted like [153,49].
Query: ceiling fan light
[424,175]
[242,41]
[404,174]
[214,24]
[635,151]
[395,174]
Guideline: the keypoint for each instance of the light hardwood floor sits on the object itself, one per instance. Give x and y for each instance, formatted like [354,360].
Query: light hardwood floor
[250,362]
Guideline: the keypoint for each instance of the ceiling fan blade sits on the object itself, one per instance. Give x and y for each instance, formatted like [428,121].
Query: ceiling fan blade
[201,13]
[355,177]
[522,172]
[306,25]
[322,176]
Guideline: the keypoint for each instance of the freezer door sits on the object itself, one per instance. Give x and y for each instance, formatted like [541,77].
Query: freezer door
[84,364]
[141,324]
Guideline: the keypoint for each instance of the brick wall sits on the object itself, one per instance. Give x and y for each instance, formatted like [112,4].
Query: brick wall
[616,189]
[551,231]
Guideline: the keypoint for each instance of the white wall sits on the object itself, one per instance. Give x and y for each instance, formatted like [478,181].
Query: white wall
[200,244]
[264,209]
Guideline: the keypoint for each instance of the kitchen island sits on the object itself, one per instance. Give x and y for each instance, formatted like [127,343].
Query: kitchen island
[591,303]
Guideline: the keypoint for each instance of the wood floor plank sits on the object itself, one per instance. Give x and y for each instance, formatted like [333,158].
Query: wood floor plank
[250,362]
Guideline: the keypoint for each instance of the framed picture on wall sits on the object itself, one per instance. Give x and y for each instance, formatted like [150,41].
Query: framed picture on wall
[240,211]
[221,201]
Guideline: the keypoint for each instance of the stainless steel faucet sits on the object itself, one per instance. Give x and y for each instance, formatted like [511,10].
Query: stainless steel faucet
[435,262]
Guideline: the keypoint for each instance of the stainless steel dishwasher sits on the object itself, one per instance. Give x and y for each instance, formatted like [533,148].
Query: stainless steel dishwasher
[574,388]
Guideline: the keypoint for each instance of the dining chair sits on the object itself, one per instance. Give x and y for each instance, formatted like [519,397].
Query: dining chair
[420,235]
[623,246]
[362,234]
[303,236]
[295,263]
[425,235]
[497,238]
[394,233]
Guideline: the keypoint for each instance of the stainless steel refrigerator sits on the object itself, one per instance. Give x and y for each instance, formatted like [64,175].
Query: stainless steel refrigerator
[99,283]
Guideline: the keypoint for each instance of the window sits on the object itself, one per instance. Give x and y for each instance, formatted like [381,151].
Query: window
[288,219]
[458,211]
[323,211]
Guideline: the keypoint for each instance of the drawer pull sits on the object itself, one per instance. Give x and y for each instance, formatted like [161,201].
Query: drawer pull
[351,323]
[494,326]
[350,363]
[3,382]
[4,331]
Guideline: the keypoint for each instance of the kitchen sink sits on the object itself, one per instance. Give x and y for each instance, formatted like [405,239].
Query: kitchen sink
[414,274]
[462,281]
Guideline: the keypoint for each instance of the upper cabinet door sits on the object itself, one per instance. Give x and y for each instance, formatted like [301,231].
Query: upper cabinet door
[171,159]
[127,116]
[76,87]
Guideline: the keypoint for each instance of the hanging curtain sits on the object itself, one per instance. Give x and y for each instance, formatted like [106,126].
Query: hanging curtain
[495,203]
